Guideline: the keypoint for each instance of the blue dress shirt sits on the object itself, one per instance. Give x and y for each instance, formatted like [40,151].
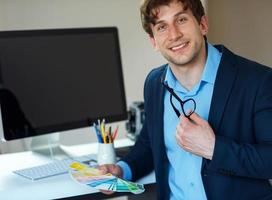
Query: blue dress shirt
[184,168]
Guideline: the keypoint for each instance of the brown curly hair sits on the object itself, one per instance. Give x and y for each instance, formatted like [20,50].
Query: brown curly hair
[148,16]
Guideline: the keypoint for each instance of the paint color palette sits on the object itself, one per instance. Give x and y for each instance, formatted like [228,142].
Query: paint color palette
[93,178]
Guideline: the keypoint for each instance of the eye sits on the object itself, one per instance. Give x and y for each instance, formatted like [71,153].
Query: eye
[161,27]
[181,20]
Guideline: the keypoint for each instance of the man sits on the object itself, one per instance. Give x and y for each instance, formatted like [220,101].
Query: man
[208,130]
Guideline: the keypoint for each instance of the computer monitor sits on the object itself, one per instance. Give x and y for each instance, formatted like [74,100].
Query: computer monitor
[59,79]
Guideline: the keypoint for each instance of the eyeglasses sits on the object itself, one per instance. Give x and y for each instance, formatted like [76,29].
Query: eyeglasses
[188,106]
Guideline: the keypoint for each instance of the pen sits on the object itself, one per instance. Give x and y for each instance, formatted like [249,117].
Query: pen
[97,133]
[110,136]
[99,125]
[107,139]
[115,133]
[103,132]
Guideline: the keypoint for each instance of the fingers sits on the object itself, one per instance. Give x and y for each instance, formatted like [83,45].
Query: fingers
[179,138]
[185,131]
[193,119]
[185,123]
[181,132]
[111,168]
[196,118]
[184,120]
[106,192]
[108,168]
[196,136]
[104,169]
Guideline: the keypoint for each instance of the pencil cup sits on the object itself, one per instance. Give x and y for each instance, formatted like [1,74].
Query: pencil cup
[106,154]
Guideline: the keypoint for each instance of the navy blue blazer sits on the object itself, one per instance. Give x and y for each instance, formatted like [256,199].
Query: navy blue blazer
[241,117]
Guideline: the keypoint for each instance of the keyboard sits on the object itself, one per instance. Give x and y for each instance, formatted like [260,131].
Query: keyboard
[54,168]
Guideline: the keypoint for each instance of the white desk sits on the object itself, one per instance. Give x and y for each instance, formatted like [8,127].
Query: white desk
[13,186]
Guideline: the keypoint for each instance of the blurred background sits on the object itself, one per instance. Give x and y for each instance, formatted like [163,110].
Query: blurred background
[244,26]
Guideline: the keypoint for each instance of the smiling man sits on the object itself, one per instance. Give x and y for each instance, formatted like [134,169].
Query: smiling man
[207,131]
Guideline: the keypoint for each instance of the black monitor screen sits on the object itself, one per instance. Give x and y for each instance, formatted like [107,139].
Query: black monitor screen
[56,80]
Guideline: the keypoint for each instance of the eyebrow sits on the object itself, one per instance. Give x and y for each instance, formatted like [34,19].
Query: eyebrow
[177,14]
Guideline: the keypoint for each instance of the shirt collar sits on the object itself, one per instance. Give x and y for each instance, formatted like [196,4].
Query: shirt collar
[212,64]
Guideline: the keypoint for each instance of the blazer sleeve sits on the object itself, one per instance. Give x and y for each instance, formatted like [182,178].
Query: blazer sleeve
[252,160]
[140,158]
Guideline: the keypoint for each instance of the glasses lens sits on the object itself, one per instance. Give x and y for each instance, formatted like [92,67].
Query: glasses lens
[189,107]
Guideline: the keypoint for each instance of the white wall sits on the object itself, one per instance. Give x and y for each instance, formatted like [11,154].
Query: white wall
[245,26]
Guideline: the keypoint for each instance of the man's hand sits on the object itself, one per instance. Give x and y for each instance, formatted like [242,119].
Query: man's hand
[195,135]
[113,169]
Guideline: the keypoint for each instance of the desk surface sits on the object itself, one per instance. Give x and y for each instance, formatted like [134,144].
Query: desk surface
[15,187]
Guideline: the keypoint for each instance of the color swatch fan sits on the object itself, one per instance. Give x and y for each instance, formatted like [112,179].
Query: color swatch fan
[93,178]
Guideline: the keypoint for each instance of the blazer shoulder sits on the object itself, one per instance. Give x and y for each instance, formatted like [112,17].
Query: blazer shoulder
[153,80]
[156,73]
[252,66]
[243,65]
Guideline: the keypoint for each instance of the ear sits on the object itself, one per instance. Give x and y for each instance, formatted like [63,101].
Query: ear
[204,26]
[153,42]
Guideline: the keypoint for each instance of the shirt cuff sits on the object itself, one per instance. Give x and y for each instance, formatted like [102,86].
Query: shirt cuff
[127,175]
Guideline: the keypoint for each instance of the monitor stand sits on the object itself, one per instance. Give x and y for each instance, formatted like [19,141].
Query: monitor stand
[49,146]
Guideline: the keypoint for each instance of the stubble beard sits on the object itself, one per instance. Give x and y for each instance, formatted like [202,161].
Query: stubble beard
[184,59]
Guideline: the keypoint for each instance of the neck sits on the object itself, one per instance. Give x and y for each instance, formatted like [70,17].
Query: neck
[190,74]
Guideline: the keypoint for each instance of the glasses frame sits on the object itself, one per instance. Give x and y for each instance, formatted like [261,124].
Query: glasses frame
[172,93]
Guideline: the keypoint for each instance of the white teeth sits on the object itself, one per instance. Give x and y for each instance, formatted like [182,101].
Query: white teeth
[178,47]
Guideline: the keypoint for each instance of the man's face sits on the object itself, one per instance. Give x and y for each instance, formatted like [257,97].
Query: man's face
[178,35]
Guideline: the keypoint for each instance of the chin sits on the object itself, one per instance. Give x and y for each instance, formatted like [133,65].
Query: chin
[181,61]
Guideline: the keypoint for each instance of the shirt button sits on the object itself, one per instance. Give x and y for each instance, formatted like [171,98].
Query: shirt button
[192,184]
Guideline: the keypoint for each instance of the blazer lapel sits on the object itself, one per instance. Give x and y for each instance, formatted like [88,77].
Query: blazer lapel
[160,108]
[158,94]
[225,78]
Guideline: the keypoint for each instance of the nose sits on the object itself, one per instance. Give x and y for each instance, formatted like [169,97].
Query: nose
[174,33]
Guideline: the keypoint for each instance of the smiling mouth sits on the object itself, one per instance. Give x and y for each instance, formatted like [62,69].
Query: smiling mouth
[180,46]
